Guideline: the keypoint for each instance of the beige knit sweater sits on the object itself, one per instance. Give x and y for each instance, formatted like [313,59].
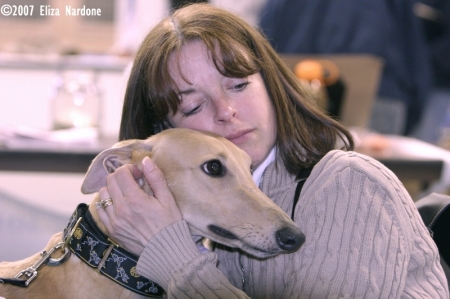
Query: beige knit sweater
[364,239]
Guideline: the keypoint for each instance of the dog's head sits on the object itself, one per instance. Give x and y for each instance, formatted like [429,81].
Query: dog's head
[211,181]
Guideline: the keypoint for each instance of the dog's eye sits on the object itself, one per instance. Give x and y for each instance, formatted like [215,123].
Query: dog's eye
[214,168]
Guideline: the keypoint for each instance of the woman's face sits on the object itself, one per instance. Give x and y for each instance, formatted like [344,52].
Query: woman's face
[238,109]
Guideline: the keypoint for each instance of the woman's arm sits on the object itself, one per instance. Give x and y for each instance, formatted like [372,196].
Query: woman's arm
[366,238]
[172,260]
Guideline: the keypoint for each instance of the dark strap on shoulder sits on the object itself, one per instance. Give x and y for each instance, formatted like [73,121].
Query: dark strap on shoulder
[435,212]
[301,177]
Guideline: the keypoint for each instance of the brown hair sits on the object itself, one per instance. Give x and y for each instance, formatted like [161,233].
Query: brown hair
[304,133]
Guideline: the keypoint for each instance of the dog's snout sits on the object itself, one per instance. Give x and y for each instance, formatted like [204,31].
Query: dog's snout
[290,239]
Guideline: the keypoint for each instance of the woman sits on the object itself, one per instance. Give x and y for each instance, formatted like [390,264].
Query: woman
[203,68]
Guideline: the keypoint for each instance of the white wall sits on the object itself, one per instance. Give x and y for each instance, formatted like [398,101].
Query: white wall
[35,204]
[25,98]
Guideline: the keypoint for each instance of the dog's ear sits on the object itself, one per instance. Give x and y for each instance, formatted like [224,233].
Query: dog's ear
[105,163]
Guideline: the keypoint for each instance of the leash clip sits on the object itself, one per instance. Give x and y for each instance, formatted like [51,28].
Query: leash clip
[46,258]
[30,272]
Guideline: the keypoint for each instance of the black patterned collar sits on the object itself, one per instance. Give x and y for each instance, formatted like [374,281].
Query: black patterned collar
[92,246]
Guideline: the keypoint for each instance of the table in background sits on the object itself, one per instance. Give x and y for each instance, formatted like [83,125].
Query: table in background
[409,159]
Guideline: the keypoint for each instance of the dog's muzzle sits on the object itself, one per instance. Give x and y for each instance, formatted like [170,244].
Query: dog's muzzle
[287,238]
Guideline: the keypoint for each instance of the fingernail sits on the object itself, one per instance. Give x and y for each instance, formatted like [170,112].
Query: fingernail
[148,164]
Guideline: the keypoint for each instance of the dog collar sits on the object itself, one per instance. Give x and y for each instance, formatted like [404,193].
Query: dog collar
[92,246]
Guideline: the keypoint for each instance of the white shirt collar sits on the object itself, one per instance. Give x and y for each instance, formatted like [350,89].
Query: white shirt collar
[258,172]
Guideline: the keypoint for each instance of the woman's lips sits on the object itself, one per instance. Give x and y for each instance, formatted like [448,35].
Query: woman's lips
[239,137]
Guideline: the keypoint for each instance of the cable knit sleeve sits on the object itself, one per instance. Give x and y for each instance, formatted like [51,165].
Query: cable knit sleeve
[173,260]
[366,239]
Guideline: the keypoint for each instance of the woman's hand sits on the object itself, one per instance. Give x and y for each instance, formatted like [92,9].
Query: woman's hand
[135,216]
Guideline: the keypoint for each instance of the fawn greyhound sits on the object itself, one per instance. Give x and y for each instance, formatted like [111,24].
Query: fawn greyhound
[203,171]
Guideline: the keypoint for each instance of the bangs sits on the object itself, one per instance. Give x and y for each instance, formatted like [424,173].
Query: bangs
[163,94]
[231,59]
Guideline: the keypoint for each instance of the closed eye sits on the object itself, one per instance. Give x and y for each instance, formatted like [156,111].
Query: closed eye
[192,111]
[192,107]
[241,86]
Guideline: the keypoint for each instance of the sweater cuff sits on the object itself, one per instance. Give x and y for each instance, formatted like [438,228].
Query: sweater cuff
[166,253]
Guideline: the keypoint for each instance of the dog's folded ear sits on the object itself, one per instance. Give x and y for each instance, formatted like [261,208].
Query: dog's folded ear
[105,163]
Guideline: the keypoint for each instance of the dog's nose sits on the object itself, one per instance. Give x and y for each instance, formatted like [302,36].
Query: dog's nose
[290,239]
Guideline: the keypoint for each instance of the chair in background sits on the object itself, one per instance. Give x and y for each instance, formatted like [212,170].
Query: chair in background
[361,76]
[435,212]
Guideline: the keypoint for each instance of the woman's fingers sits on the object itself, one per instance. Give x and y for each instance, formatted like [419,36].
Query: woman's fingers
[104,218]
[124,179]
[157,182]
[168,211]
[134,215]
[120,223]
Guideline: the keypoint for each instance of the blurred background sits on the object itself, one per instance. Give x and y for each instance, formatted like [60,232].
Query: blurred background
[382,71]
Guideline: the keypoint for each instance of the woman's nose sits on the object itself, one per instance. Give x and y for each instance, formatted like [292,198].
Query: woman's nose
[225,111]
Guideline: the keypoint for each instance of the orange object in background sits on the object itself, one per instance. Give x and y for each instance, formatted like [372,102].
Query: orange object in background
[323,76]
[323,70]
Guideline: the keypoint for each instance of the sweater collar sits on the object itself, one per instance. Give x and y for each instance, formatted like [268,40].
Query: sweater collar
[275,178]
[258,172]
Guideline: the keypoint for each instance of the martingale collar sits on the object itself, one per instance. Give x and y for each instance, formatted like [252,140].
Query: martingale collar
[92,246]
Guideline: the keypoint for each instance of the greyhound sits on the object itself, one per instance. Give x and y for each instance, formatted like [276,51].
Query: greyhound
[211,181]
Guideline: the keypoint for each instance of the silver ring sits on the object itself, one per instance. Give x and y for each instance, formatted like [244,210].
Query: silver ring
[103,203]
[107,202]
